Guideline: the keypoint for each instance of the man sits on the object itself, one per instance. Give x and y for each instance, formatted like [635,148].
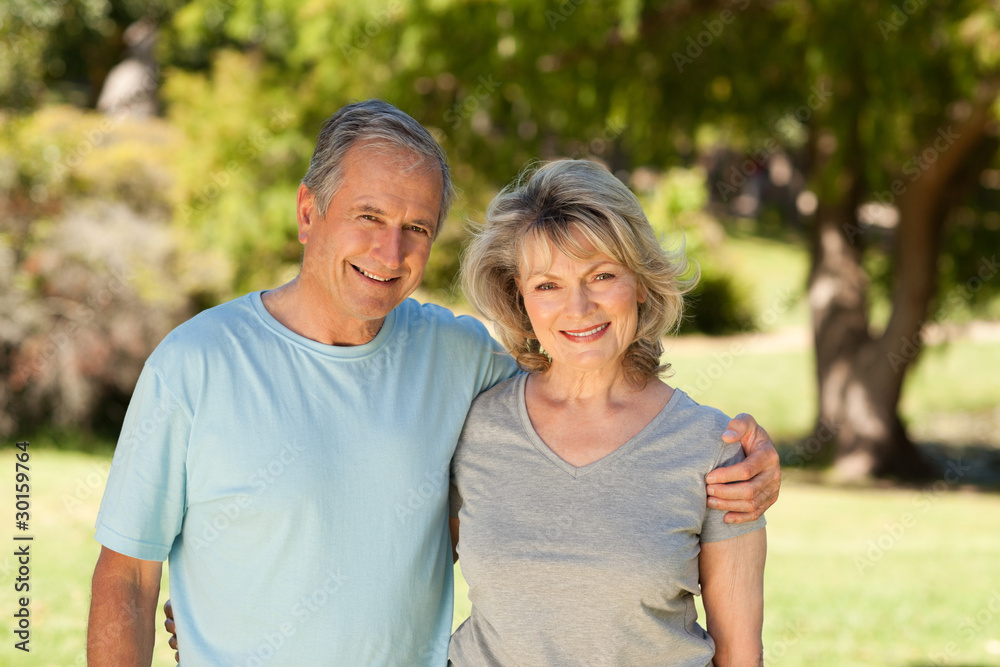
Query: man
[289,450]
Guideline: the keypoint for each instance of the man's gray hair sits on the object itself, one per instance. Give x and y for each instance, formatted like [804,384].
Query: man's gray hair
[378,122]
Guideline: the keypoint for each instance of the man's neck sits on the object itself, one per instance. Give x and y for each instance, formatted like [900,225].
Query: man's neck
[302,313]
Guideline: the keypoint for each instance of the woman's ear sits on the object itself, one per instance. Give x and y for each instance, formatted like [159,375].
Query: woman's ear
[641,293]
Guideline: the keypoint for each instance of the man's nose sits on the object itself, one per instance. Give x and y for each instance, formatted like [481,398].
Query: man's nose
[388,248]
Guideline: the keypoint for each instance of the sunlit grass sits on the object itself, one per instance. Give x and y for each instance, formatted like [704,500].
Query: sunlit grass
[776,387]
[66,490]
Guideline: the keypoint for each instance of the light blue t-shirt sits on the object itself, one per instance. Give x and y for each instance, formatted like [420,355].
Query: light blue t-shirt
[300,489]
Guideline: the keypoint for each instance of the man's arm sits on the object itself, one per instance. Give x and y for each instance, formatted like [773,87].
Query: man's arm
[453,525]
[732,586]
[171,627]
[122,610]
[728,488]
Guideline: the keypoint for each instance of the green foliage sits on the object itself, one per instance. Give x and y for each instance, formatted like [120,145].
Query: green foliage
[716,307]
[87,267]
[675,204]
[653,89]
[235,189]
[631,83]
[61,50]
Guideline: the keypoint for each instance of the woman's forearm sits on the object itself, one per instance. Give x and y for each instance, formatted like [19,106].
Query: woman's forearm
[732,584]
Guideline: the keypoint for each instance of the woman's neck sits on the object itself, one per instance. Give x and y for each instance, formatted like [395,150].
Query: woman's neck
[568,386]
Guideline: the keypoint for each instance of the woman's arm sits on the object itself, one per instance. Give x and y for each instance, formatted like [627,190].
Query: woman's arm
[732,585]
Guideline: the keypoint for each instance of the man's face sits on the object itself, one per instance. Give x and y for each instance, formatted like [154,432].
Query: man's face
[368,253]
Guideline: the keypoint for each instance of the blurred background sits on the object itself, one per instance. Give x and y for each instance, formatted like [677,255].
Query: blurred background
[832,166]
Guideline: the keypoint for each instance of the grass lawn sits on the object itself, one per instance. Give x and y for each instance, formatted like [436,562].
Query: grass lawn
[66,489]
[854,577]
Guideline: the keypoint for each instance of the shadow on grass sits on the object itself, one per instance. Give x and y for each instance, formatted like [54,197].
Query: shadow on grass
[971,467]
[976,465]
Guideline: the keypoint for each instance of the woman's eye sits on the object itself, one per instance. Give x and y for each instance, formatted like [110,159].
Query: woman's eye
[605,276]
[545,286]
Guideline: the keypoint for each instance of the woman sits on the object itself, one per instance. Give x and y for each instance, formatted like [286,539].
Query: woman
[580,485]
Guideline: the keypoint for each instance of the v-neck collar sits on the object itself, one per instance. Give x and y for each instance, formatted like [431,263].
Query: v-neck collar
[603,462]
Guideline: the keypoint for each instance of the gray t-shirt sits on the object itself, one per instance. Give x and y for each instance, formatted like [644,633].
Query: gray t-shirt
[595,565]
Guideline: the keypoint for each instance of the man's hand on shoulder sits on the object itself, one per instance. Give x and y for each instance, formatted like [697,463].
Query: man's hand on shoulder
[747,489]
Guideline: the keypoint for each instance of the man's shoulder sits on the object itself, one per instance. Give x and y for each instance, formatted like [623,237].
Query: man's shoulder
[207,330]
[458,344]
[497,405]
[415,315]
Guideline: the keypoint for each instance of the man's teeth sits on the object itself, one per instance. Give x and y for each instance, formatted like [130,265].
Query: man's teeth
[372,276]
[588,332]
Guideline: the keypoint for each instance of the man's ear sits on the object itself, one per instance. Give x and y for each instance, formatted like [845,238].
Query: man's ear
[305,209]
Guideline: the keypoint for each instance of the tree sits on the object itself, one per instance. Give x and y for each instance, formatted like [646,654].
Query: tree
[887,112]
[945,97]
[891,106]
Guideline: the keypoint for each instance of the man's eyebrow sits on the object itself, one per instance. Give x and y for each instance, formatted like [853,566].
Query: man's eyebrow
[370,209]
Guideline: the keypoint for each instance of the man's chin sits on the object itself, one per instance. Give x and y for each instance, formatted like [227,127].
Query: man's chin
[377,309]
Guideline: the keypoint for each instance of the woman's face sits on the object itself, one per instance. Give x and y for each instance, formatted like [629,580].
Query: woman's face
[584,313]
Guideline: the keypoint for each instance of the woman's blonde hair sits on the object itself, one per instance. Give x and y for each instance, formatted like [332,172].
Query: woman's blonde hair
[551,203]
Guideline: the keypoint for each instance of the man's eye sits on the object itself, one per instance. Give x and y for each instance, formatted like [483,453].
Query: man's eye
[421,230]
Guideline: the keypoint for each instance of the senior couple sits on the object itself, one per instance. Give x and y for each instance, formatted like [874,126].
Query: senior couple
[293,452]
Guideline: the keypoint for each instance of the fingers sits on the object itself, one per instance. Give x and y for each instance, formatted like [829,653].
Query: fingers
[760,452]
[172,629]
[746,500]
[740,426]
[739,472]
[742,510]
[751,435]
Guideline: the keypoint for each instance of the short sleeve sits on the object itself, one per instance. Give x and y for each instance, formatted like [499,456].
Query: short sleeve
[143,506]
[495,363]
[714,528]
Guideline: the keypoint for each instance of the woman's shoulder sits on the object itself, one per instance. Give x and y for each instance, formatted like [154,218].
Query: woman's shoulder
[689,412]
[694,431]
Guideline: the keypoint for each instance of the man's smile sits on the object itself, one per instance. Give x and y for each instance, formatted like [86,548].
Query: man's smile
[366,274]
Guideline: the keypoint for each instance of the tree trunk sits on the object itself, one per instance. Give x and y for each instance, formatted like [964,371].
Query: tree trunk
[860,375]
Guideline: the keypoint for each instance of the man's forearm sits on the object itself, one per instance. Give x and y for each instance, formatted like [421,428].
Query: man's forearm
[121,629]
